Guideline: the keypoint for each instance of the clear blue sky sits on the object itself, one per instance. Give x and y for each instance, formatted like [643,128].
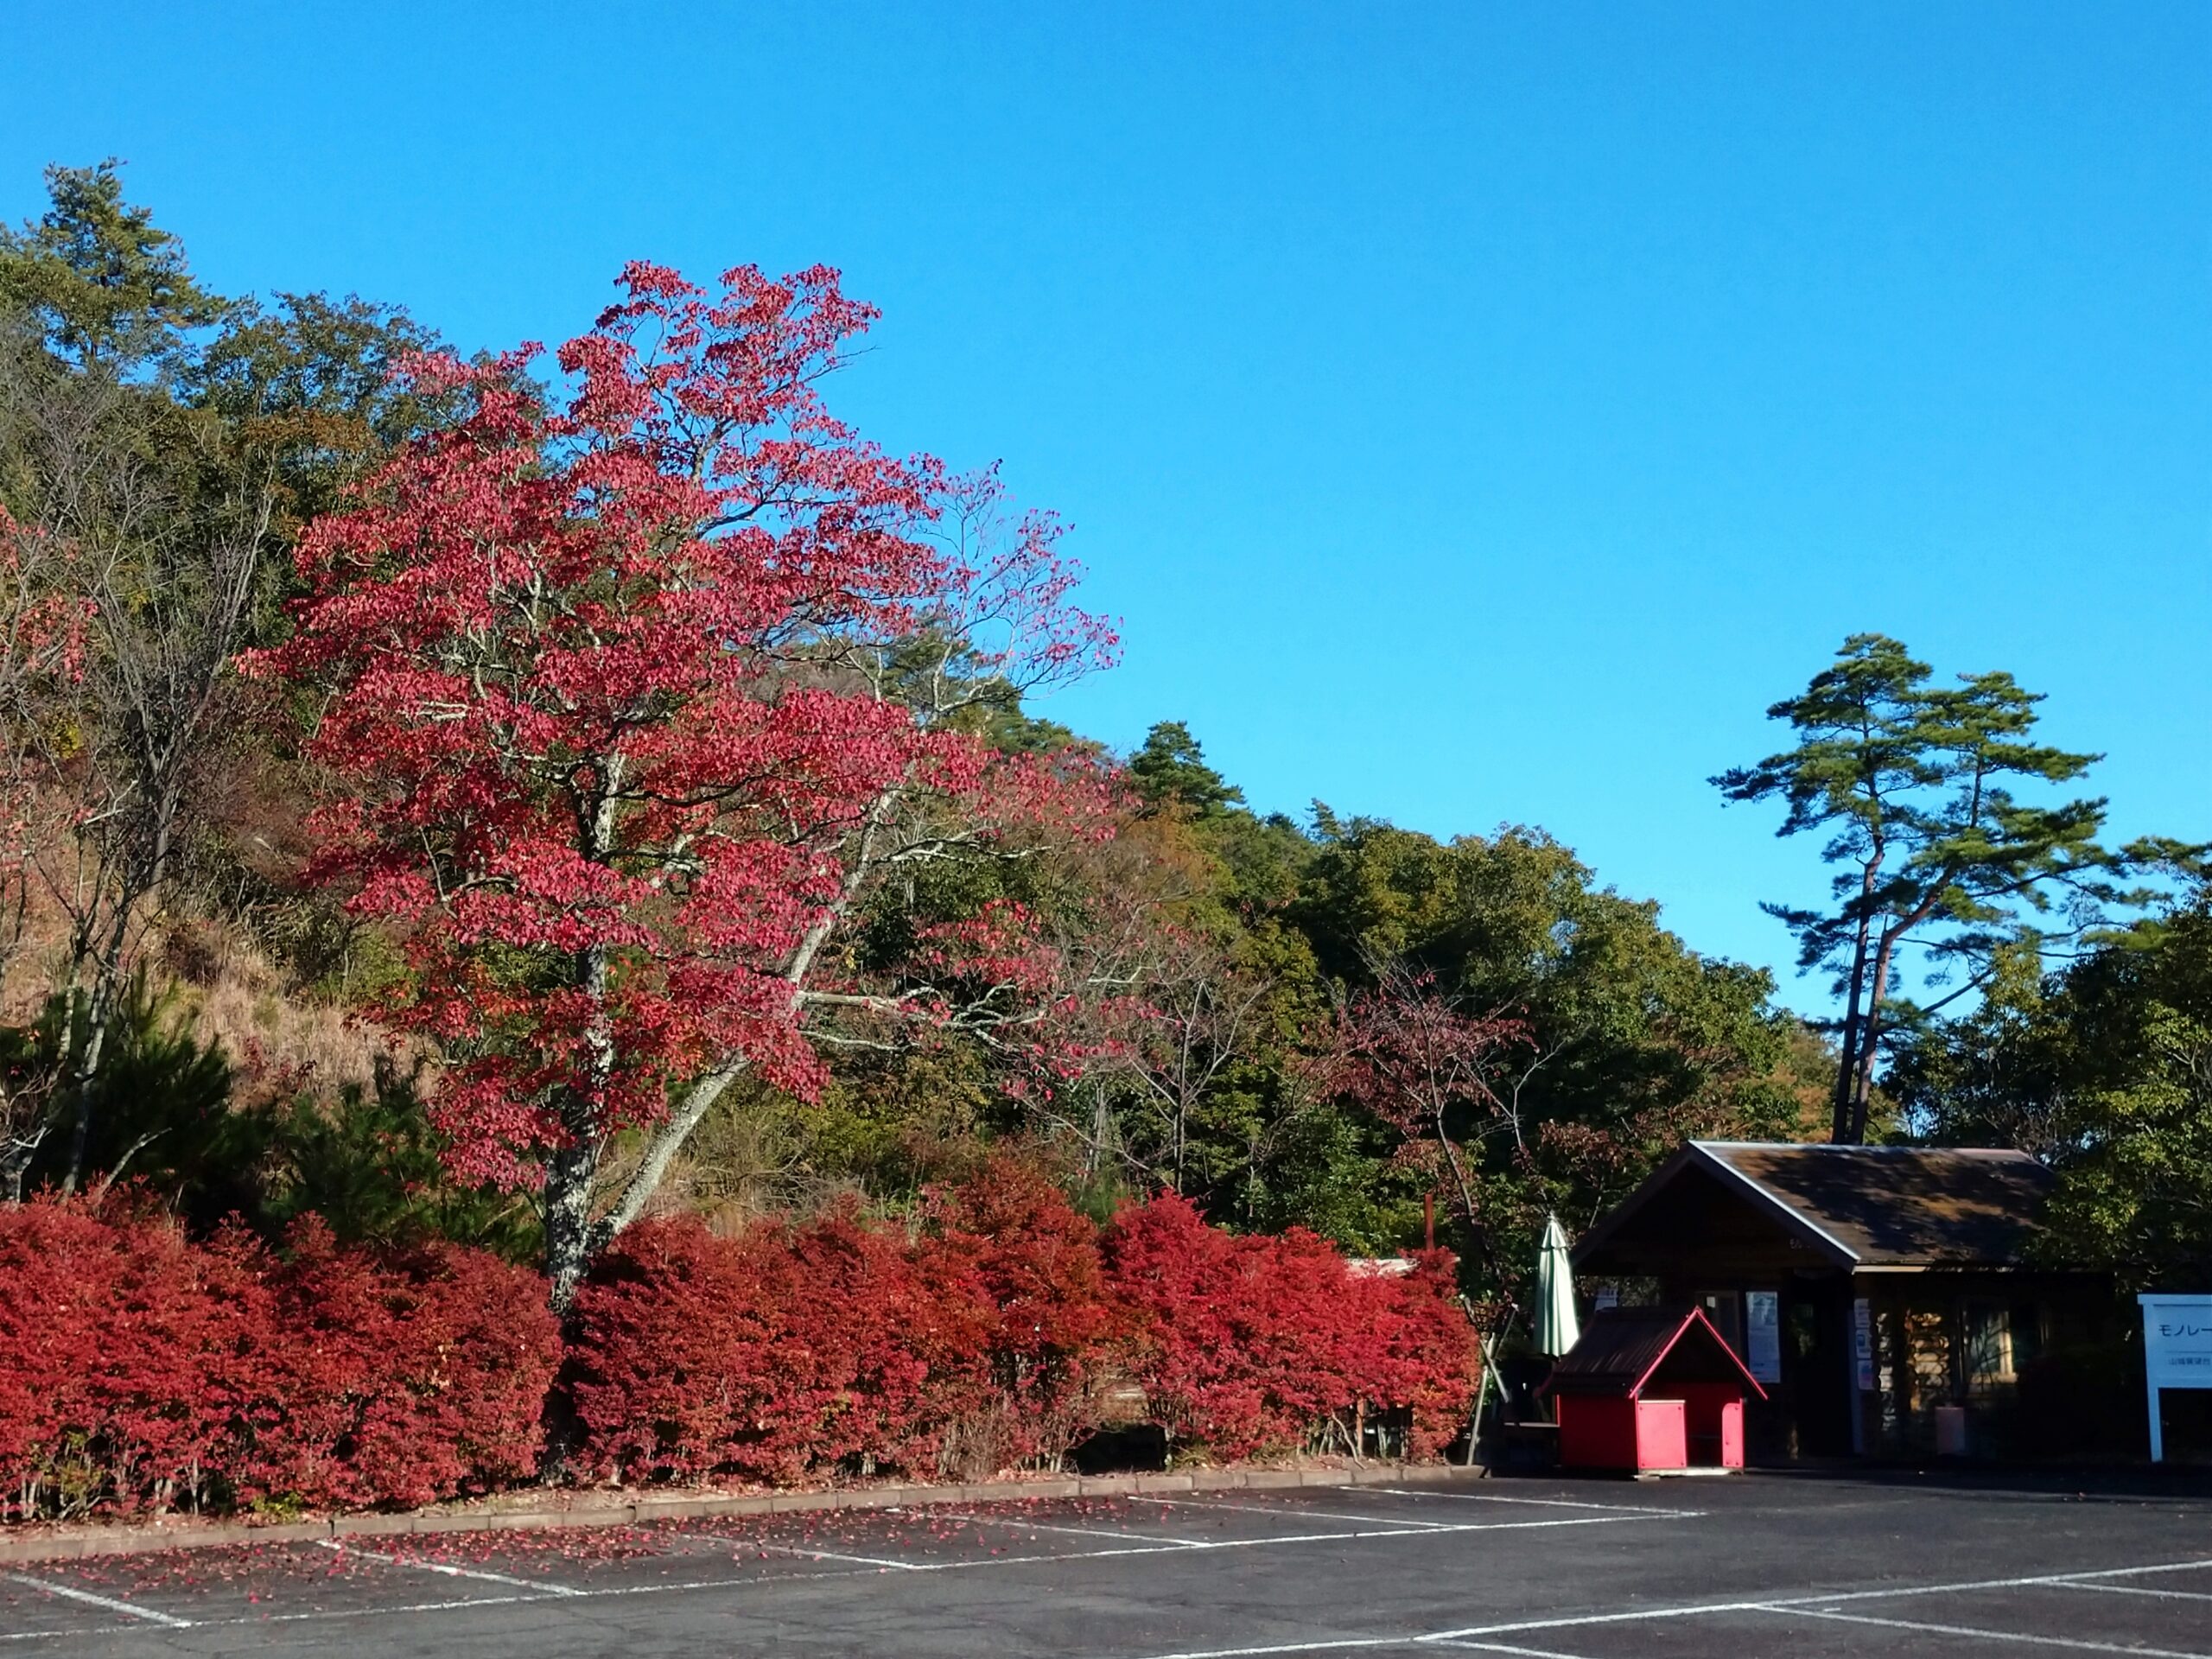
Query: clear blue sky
[1475,413]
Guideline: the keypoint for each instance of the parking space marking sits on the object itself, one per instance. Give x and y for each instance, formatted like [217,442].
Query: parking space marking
[1123,1535]
[2137,1590]
[2077,1643]
[542,1587]
[1540,1503]
[542,1591]
[68,1592]
[1476,1633]
[1291,1512]
[807,1552]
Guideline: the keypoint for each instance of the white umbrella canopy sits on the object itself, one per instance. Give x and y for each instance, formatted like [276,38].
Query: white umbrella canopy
[1557,1328]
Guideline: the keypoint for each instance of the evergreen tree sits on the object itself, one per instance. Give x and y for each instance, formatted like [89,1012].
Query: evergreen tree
[1913,784]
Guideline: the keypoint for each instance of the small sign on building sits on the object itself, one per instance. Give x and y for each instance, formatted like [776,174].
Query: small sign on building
[2177,1351]
[1762,1334]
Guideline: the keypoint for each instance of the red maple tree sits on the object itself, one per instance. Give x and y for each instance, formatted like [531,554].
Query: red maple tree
[635,688]
[1449,1084]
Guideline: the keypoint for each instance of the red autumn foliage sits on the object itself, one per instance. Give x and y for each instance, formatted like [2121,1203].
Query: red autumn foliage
[129,1352]
[400,1381]
[781,1353]
[147,1372]
[788,1353]
[652,680]
[1052,1326]
[1255,1344]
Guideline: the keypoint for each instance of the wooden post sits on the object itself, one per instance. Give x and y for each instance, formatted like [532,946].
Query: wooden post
[1428,1215]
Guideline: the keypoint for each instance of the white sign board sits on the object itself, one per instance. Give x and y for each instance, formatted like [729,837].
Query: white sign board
[1762,1334]
[2177,1351]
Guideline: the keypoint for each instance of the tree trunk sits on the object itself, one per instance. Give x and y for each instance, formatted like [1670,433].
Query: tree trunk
[1862,1083]
[1840,1131]
[569,1176]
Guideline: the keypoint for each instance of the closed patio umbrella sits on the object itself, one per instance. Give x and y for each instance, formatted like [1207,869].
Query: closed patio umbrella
[1556,1326]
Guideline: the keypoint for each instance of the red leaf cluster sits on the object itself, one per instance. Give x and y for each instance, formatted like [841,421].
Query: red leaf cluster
[981,1342]
[797,1351]
[1253,1344]
[145,1372]
[651,675]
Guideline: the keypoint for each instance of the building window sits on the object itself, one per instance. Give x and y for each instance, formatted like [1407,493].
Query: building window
[1988,1349]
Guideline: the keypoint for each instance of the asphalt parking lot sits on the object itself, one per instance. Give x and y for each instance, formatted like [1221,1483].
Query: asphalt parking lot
[1762,1565]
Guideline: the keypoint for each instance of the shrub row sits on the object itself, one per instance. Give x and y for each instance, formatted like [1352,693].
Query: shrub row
[147,1372]
[143,1372]
[986,1340]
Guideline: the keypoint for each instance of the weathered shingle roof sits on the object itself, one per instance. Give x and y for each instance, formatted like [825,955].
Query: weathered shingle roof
[1874,1206]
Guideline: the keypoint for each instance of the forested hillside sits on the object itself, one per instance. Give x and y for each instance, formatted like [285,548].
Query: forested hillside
[501,801]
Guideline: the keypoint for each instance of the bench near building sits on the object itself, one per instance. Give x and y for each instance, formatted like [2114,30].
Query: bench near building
[1885,1298]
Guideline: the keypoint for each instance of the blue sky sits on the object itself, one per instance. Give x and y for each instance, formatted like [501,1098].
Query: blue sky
[1474,414]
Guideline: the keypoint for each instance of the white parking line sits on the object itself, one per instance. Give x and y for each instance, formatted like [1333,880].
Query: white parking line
[807,1552]
[1123,1534]
[539,1590]
[2075,1642]
[1476,1633]
[2137,1590]
[69,1593]
[543,1587]
[1541,1503]
[1291,1512]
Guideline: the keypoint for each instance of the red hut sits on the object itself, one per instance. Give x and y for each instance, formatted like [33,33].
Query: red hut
[1651,1389]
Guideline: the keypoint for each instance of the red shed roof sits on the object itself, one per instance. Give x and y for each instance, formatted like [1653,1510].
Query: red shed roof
[1622,1347]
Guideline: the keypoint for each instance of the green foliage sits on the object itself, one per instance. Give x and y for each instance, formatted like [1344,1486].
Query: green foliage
[1170,769]
[372,1166]
[1627,1026]
[2104,1069]
[108,288]
[1913,783]
[159,1114]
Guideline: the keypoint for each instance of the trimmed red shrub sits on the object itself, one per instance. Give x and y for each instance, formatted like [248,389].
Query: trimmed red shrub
[1259,1344]
[146,1372]
[1031,1263]
[778,1354]
[129,1356]
[143,1371]
[400,1382]
[838,1346]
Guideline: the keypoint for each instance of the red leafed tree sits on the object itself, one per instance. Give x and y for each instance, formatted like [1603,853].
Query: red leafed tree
[636,691]
[1449,1084]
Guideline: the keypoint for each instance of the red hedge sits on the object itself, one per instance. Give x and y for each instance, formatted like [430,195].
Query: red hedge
[797,1352]
[1254,1344]
[145,1372]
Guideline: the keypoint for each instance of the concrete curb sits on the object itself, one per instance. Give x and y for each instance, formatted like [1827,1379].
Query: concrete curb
[595,1510]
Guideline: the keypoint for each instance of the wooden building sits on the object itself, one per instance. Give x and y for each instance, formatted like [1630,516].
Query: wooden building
[1887,1298]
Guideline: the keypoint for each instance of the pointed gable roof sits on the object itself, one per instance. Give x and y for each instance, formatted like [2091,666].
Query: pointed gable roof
[1865,1206]
[1622,1348]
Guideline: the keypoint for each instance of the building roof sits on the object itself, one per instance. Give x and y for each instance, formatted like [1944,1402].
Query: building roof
[1622,1347]
[1871,1206]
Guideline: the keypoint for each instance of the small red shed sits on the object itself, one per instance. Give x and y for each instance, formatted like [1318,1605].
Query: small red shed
[1651,1388]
